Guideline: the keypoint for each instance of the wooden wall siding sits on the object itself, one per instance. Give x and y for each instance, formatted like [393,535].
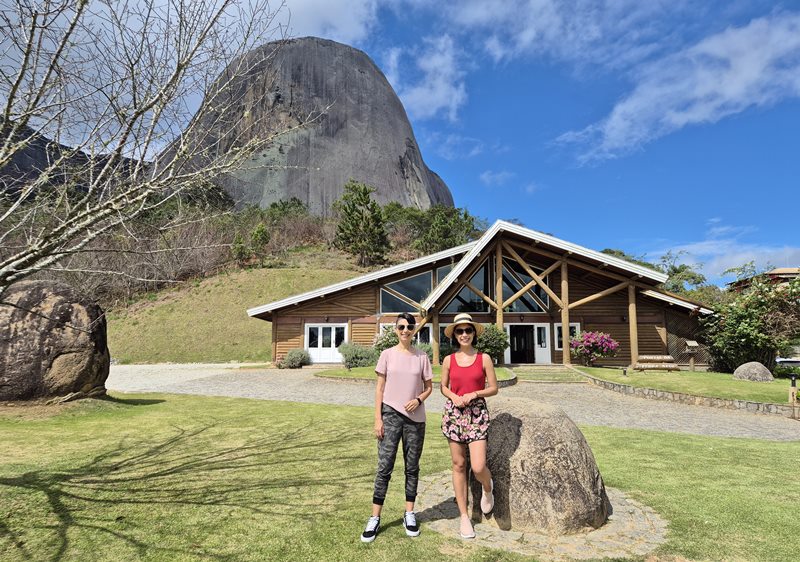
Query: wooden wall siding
[615,304]
[682,327]
[650,341]
[363,334]
[290,336]
[361,302]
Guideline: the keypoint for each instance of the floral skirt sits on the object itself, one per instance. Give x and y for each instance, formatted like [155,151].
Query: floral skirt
[468,424]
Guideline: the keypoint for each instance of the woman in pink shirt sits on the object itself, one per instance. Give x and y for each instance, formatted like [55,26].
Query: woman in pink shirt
[404,382]
[468,377]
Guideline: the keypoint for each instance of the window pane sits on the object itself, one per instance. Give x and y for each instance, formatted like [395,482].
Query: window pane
[442,272]
[339,336]
[559,337]
[390,303]
[313,337]
[416,288]
[326,337]
[541,336]
[511,285]
[522,275]
[468,301]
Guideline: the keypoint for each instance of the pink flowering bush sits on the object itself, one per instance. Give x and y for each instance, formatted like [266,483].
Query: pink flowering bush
[589,346]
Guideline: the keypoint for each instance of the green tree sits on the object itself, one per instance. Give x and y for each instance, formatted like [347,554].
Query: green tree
[760,322]
[362,227]
[445,227]
[259,238]
[493,342]
[682,277]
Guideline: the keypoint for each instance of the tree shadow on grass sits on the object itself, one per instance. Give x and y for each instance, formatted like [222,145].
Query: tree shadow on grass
[263,476]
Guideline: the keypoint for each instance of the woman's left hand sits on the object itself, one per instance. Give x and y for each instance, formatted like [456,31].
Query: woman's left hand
[411,405]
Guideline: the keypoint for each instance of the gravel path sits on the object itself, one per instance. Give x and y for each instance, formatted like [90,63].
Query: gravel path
[585,404]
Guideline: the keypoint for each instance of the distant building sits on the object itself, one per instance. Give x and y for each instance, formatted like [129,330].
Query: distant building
[532,285]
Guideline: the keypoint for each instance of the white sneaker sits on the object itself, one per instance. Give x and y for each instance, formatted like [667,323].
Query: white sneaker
[467,531]
[410,524]
[371,531]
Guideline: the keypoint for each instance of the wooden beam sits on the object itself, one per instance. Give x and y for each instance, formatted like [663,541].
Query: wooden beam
[534,275]
[478,292]
[498,283]
[402,297]
[601,294]
[566,356]
[274,340]
[633,324]
[435,339]
[457,286]
[529,286]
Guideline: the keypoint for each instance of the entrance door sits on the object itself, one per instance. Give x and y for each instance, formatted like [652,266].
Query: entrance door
[323,341]
[528,343]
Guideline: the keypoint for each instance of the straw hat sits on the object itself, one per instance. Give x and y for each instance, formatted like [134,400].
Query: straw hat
[463,318]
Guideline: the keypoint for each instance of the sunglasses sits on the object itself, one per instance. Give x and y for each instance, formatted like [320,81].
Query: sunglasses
[403,327]
[460,331]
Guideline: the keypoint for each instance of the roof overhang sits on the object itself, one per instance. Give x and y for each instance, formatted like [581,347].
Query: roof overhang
[677,301]
[265,311]
[552,243]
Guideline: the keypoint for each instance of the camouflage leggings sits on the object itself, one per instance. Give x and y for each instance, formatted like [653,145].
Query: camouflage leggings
[397,427]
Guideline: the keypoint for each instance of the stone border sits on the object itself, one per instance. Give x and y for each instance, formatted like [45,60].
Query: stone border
[766,408]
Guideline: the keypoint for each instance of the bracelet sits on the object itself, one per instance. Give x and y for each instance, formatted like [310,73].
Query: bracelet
[419,400]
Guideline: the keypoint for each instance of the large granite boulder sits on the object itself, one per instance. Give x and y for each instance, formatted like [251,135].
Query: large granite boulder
[753,371]
[52,343]
[362,133]
[545,475]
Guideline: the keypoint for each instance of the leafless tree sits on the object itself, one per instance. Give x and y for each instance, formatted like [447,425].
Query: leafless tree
[110,109]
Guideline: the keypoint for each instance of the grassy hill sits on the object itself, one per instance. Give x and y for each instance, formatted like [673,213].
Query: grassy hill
[206,320]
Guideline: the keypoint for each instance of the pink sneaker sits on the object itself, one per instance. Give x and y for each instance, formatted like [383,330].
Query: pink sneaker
[466,531]
[487,500]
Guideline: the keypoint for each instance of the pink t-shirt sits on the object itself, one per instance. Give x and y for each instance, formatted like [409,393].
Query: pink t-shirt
[404,375]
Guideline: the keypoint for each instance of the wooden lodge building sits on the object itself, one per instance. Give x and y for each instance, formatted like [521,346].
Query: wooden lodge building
[534,286]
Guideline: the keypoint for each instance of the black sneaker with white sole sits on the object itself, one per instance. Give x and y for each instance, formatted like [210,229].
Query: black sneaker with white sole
[410,524]
[371,530]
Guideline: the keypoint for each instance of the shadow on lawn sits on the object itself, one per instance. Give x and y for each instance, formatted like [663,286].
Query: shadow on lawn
[266,476]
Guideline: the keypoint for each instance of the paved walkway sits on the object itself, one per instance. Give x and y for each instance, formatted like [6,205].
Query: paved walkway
[585,404]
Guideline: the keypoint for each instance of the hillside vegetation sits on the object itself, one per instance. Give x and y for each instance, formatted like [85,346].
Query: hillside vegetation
[206,321]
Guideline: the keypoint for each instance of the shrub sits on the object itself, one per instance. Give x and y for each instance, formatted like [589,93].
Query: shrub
[426,347]
[295,359]
[356,355]
[493,342]
[589,346]
[786,371]
[386,339]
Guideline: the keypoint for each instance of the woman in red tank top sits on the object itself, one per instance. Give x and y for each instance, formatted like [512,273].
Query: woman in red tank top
[467,378]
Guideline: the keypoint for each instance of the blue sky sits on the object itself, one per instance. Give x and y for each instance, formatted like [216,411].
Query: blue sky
[646,126]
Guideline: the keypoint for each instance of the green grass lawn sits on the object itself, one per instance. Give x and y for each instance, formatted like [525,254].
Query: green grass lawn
[207,321]
[716,385]
[167,477]
[368,373]
[532,374]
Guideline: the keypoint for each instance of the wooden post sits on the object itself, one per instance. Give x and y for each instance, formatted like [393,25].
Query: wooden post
[633,325]
[435,338]
[274,339]
[566,358]
[498,284]
[349,338]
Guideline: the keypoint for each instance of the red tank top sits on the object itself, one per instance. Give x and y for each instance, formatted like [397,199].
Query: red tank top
[464,380]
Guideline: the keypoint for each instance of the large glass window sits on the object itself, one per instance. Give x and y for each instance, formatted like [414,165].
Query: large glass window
[511,284]
[441,272]
[574,329]
[415,288]
[515,271]
[466,300]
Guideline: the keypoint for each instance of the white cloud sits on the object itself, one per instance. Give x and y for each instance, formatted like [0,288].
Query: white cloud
[346,21]
[752,66]
[493,179]
[724,247]
[440,89]
[456,147]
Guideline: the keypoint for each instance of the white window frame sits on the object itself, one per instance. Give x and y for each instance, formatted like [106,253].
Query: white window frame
[336,356]
[557,327]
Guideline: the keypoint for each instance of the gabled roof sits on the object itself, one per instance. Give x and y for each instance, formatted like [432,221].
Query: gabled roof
[541,238]
[266,309]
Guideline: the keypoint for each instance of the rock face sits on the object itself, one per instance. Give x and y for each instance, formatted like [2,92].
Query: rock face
[753,371]
[545,475]
[53,342]
[364,133]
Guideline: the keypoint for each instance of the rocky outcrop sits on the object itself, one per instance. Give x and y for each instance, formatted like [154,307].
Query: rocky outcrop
[52,343]
[362,133]
[545,475]
[753,371]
